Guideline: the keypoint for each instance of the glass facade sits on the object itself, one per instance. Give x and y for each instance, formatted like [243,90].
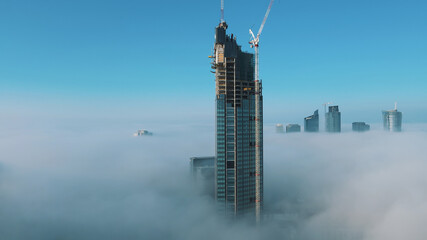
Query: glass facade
[311,123]
[235,126]
[333,119]
[360,127]
[392,120]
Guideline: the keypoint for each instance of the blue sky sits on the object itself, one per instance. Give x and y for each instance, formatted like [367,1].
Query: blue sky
[149,59]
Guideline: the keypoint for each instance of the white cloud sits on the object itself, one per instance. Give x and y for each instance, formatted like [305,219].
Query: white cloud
[101,183]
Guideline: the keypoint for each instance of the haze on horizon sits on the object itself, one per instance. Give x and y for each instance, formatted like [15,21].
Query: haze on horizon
[105,59]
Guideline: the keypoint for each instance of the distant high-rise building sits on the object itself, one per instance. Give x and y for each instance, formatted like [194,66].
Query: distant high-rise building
[279,128]
[143,132]
[392,120]
[203,174]
[333,119]
[311,123]
[293,128]
[236,172]
[360,126]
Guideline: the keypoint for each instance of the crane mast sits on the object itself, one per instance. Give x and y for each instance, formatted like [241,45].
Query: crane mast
[222,11]
[258,123]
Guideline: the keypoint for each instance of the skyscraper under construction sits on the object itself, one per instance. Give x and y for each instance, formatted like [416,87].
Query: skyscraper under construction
[236,174]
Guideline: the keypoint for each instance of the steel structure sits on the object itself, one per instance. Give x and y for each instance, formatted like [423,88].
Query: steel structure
[235,125]
[258,121]
[222,11]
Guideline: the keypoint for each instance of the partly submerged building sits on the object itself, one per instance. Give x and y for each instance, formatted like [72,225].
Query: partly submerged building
[392,120]
[143,132]
[203,174]
[279,128]
[311,123]
[333,120]
[293,128]
[235,127]
[360,127]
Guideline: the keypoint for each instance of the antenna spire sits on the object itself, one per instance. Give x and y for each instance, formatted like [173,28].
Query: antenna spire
[222,10]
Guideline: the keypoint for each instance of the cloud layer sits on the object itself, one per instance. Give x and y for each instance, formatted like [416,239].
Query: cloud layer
[59,183]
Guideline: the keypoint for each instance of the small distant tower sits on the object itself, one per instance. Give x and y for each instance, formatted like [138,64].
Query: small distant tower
[203,174]
[333,119]
[311,123]
[279,128]
[392,120]
[360,127]
[143,132]
[293,128]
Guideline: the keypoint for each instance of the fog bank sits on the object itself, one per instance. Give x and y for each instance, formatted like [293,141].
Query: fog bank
[83,183]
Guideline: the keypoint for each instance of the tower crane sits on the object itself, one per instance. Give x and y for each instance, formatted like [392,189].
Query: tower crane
[258,124]
[222,11]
